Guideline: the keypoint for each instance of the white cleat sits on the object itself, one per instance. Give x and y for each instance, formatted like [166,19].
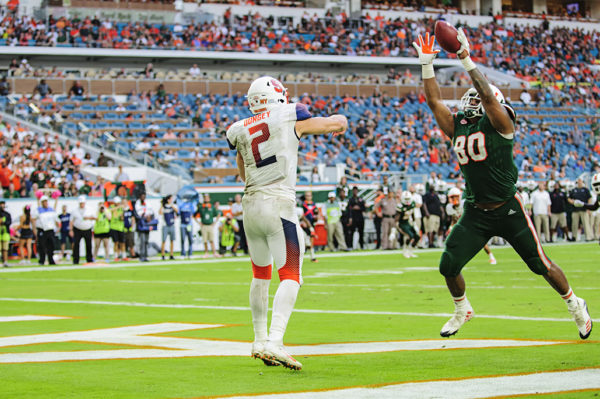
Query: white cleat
[277,353]
[412,254]
[582,318]
[406,253]
[258,352]
[461,315]
[493,261]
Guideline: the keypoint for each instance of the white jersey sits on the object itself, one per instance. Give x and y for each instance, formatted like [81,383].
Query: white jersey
[455,212]
[268,145]
[419,202]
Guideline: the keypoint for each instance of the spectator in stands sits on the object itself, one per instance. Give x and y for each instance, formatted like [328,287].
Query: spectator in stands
[207,213]
[102,231]
[169,212]
[220,161]
[42,89]
[46,221]
[525,97]
[5,222]
[64,231]
[77,89]
[25,234]
[4,87]
[121,175]
[315,176]
[194,71]
[102,160]
[541,203]
[148,71]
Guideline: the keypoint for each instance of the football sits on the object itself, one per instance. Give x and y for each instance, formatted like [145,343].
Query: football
[445,34]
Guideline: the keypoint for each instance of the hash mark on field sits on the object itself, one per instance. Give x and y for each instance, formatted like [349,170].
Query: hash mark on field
[467,388]
[245,308]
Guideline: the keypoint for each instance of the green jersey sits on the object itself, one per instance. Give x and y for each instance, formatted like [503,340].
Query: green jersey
[405,211]
[486,160]
[207,214]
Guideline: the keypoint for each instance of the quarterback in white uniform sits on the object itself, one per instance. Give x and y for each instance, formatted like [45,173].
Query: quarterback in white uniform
[267,157]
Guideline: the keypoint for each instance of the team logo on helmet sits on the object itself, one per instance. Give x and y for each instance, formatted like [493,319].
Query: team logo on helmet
[266,92]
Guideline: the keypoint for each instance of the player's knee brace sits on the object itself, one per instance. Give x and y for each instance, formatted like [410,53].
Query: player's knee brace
[261,272]
[289,272]
[448,268]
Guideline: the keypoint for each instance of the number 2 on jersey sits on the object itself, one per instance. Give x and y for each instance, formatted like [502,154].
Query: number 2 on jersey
[264,128]
[470,148]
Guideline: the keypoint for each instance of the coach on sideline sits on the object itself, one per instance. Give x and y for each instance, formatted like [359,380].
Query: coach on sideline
[82,222]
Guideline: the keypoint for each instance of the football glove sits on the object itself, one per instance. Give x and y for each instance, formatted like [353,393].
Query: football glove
[578,204]
[464,42]
[425,49]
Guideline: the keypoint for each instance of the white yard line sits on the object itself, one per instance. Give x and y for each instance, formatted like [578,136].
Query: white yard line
[246,259]
[471,388]
[4,319]
[245,308]
[308,284]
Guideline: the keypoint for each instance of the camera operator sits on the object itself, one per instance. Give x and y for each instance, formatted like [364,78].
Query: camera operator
[228,227]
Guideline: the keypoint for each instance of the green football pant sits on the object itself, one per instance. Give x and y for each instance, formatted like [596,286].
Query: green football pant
[476,227]
[407,228]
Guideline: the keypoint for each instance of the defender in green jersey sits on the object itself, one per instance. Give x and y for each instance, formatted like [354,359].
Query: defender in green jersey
[482,136]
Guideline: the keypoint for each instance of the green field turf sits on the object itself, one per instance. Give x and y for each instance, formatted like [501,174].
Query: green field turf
[360,283]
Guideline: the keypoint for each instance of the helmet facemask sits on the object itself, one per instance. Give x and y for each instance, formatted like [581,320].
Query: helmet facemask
[470,104]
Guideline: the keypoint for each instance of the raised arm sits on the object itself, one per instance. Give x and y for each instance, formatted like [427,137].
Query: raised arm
[495,111]
[336,124]
[442,114]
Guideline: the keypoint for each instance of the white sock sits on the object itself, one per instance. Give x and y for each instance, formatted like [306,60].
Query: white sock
[312,253]
[570,299]
[259,304]
[492,256]
[460,301]
[283,304]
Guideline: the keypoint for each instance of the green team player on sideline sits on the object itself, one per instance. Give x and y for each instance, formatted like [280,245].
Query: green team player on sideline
[482,137]
[404,216]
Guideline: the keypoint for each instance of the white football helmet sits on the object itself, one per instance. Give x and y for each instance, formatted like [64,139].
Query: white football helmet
[470,103]
[406,197]
[531,185]
[440,187]
[265,93]
[420,188]
[596,183]
[454,195]
[551,185]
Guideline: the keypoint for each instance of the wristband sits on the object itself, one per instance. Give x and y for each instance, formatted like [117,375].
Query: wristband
[468,64]
[427,71]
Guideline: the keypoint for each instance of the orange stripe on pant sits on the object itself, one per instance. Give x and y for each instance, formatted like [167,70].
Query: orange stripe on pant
[540,251]
[261,272]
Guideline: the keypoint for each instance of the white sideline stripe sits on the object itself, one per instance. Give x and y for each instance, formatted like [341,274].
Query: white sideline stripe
[307,285]
[472,388]
[4,319]
[196,261]
[245,308]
